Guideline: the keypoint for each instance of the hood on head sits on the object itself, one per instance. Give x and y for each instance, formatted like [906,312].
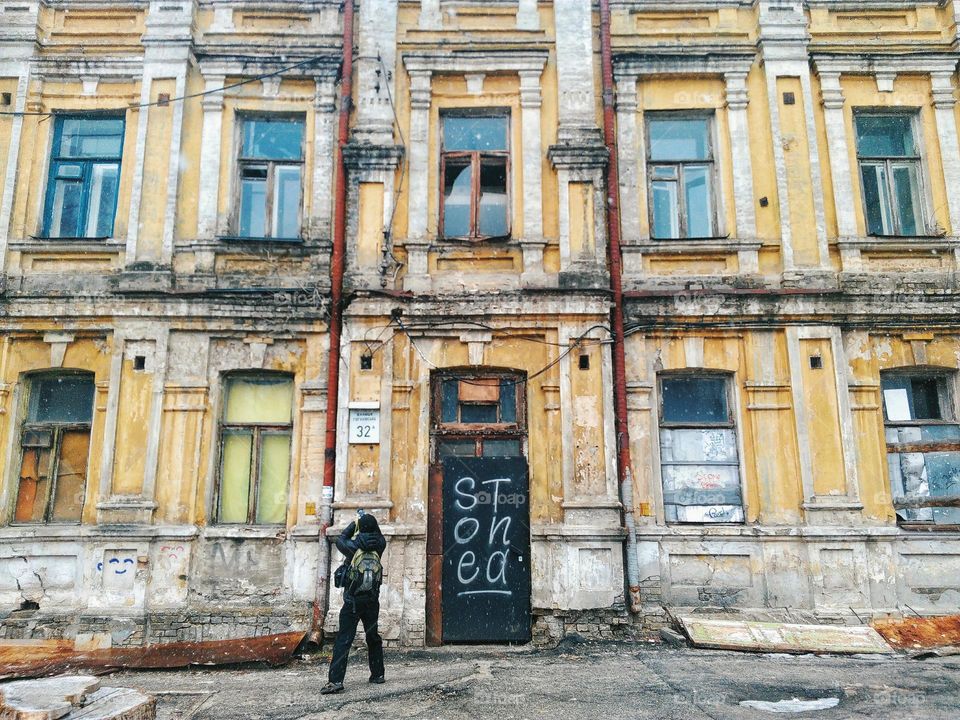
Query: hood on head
[368,523]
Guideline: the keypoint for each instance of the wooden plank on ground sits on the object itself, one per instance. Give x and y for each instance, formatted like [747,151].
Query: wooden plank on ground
[753,636]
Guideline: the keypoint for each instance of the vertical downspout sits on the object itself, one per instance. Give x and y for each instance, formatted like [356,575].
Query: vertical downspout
[624,474]
[337,262]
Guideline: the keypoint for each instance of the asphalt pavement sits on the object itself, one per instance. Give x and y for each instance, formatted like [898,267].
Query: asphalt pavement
[575,680]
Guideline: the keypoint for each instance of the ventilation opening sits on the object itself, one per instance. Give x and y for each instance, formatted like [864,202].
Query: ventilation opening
[139,362]
[816,362]
[584,362]
[366,362]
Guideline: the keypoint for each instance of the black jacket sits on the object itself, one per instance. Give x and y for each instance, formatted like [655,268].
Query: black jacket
[350,541]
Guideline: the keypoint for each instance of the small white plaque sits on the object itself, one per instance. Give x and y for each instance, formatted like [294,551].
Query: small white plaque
[364,426]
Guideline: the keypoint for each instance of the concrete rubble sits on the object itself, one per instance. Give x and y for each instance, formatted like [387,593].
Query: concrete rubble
[72,698]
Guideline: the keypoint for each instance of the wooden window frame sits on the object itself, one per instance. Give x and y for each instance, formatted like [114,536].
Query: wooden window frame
[257,431]
[271,165]
[475,159]
[946,393]
[730,422]
[57,430]
[923,211]
[679,165]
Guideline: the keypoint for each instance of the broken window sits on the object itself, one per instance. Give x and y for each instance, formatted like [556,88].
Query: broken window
[255,437]
[699,462]
[55,444]
[680,176]
[271,167]
[84,177]
[474,169]
[890,174]
[485,408]
[923,446]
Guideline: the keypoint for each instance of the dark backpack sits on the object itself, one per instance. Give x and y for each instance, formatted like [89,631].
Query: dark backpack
[364,574]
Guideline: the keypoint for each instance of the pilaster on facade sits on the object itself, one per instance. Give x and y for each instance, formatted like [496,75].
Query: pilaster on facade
[376,68]
[209,222]
[784,40]
[367,254]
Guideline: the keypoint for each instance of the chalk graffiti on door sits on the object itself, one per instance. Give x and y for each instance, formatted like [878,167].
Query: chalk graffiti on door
[475,576]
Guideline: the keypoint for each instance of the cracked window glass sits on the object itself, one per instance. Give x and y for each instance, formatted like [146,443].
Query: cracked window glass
[923,447]
[55,448]
[475,168]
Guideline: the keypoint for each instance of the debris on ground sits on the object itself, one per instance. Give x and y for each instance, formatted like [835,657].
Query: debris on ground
[911,633]
[782,637]
[793,705]
[73,697]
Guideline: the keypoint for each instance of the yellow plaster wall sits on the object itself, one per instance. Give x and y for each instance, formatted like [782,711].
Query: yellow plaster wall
[796,151]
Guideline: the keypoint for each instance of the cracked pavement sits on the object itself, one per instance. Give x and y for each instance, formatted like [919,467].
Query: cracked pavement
[574,680]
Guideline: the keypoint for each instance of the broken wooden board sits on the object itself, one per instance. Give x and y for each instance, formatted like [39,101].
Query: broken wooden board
[755,636]
[36,658]
[920,632]
[73,697]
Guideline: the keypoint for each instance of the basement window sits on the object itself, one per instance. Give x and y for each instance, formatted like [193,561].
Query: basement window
[255,439]
[923,446]
[680,171]
[55,444]
[699,462]
[84,178]
[890,173]
[270,182]
[474,171]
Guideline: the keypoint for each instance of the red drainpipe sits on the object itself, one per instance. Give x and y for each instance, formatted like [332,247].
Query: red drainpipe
[337,262]
[624,473]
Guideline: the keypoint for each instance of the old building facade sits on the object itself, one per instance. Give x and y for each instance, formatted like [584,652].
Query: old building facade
[788,222]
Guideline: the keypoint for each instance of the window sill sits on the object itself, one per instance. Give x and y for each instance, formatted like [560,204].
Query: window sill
[42,244]
[898,242]
[505,241]
[693,245]
[241,239]
[246,532]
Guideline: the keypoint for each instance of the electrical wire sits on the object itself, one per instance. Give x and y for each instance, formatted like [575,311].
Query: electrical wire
[164,103]
[577,342]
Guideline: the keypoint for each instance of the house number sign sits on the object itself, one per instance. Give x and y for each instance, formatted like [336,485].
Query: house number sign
[364,426]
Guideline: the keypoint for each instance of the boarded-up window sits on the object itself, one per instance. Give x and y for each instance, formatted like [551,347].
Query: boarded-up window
[255,449]
[55,444]
[923,447]
[699,462]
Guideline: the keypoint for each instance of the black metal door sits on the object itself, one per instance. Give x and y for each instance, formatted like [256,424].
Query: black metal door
[486,550]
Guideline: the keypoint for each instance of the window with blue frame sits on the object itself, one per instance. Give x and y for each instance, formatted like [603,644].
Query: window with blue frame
[271,170]
[84,179]
[680,170]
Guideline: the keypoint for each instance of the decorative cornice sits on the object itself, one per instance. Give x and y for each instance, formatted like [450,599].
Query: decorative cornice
[690,61]
[472,61]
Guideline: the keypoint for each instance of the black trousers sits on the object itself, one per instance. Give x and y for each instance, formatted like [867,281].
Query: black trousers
[352,612]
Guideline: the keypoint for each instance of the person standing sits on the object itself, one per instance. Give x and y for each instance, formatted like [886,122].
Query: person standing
[362,544]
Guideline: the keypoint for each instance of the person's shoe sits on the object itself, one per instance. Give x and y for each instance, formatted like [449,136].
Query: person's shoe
[378,680]
[331,687]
